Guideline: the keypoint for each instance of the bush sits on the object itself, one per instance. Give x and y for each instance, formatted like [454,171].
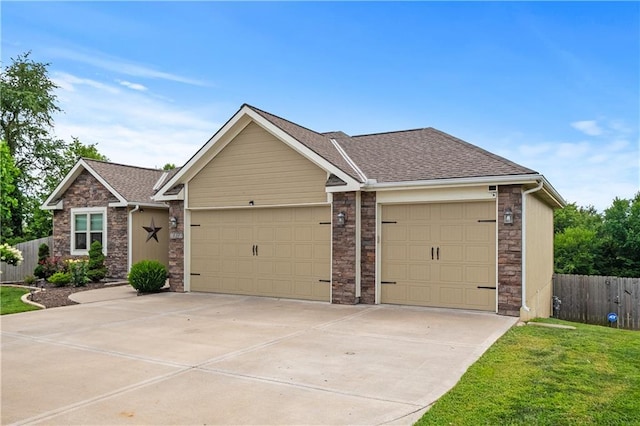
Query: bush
[10,255]
[78,271]
[96,269]
[43,254]
[148,276]
[60,279]
[29,280]
[48,267]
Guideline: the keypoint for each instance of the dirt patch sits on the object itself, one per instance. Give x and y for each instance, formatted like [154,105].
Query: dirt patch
[53,297]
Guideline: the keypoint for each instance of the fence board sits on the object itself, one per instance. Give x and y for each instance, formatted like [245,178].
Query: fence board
[589,299]
[29,251]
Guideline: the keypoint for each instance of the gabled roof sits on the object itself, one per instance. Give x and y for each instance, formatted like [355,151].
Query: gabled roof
[391,160]
[130,185]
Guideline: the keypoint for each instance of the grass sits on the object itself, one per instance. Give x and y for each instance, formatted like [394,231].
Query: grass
[549,376]
[10,302]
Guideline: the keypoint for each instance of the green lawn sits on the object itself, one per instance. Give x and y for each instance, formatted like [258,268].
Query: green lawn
[10,302]
[547,376]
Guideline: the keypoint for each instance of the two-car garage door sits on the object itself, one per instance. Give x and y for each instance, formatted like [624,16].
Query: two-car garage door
[277,252]
[440,254]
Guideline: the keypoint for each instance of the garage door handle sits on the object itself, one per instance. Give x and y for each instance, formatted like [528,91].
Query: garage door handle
[438,253]
[431,253]
[253,250]
[256,249]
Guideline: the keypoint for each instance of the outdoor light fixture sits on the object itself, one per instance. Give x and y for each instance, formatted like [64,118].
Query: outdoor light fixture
[508,216]
[251,203]
[341,218]
[173,221]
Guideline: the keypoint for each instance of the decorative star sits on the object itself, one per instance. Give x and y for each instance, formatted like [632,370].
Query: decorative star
[152,231]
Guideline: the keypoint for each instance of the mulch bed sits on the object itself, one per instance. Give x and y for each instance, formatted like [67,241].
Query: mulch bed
[53,297]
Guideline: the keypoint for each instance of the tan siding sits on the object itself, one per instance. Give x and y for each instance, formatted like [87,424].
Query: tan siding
[152,249]
[256,166]
[539,262]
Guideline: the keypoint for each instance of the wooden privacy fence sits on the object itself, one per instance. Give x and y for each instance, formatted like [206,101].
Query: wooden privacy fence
[29,251]
[590,299]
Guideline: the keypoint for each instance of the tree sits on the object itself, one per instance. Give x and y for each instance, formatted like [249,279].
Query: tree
[572,216]
[574,251]
[619,253]
[9,195]
[27,106]
[169,166]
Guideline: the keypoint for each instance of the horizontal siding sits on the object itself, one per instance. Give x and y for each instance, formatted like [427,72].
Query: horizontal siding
[257,166]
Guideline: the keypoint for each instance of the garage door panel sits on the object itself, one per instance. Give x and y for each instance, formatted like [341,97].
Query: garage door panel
[464,237]
[293,252]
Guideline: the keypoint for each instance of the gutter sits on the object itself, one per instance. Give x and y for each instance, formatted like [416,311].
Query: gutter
[524,242]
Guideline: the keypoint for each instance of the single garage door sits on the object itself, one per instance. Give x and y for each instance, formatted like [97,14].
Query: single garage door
[440,255]
[276,252]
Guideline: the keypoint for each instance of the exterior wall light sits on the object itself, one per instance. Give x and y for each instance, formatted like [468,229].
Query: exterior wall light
[341,218]
[508,216]
[173,222]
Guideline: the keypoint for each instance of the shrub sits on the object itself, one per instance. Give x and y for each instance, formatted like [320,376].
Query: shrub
[96,269]
[43,254]
[29,280]
[60,279]
[148,276]
[48,267]
[78,271]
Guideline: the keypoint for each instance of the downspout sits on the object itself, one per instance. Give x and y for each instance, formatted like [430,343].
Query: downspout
[130,236]
[524,243]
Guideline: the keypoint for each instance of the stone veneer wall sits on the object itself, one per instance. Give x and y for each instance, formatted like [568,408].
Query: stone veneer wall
[510,251]
[86,191]
[343,280]
[368,248]
[176,247]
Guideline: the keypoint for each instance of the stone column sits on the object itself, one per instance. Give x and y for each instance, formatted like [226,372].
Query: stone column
[510,251]
[343,280]
[368,248]
[176,247]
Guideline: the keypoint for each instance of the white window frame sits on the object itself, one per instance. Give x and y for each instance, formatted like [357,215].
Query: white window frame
[88,211]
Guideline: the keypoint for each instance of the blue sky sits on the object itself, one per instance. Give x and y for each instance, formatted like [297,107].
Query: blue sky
[552,86]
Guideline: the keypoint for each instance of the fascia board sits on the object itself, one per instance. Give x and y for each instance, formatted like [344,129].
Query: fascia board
[64,184]
[71,177]
[205,154]
[172,197]
[434,183]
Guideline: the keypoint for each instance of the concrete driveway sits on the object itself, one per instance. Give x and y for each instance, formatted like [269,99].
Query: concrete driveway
[212,359]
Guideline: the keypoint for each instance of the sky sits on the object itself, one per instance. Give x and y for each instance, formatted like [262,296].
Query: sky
[552,86]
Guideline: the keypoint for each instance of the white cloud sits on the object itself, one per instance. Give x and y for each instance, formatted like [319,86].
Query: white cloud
[133,86]
[588,127]
[129,126]
[121,66]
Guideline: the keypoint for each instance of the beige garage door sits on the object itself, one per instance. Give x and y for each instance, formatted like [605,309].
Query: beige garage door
[277,252]
[439,255]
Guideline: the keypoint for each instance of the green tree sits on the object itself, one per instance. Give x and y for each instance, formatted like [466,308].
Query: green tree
[575,251]
[9,194]
[27,106]
[572,216]
[619,254]
[169,166]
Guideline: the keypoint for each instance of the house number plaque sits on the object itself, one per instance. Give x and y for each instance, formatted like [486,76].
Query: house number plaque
[175,235]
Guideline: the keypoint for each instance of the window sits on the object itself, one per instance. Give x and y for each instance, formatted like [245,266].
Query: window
[87,226]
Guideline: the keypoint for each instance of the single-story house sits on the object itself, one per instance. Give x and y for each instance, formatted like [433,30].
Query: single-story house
[416,217]
[110,203]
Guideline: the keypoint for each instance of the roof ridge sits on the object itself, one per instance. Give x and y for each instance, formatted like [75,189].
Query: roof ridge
[479,149]
[123,165]
[395,131]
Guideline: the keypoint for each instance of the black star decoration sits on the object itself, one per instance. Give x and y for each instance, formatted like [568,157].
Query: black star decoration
[152,231]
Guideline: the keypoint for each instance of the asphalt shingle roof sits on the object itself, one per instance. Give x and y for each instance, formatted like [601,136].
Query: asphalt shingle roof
[423,154]
[135,184]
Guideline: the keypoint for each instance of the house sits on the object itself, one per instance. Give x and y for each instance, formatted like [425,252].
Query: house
[418,217]
[112,204]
